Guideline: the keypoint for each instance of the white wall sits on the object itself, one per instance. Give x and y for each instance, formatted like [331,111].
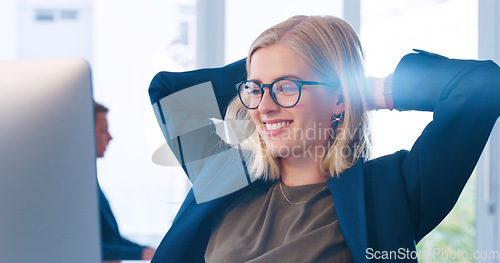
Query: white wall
[8,29]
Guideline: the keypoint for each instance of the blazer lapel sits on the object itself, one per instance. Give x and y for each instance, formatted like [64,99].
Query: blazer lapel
[349,200]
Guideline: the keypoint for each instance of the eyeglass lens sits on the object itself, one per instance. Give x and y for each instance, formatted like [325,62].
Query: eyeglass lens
[284,92]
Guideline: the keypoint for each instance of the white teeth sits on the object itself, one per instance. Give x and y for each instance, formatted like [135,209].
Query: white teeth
[277,125]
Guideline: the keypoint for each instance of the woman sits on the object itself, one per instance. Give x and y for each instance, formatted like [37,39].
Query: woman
[317,198]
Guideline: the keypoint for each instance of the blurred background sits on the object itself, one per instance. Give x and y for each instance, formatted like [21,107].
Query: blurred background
[128,42]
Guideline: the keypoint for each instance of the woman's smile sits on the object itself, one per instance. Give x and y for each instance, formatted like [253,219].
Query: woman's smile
[275,127]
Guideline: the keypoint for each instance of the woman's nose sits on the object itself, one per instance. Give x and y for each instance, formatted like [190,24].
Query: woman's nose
[267,104]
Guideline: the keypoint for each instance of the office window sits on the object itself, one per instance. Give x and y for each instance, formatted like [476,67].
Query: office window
[389,30]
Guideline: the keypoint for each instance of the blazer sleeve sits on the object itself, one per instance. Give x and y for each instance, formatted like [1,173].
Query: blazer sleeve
[464,96]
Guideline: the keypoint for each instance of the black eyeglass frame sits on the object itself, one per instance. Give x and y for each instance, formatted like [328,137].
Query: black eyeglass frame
[299,84]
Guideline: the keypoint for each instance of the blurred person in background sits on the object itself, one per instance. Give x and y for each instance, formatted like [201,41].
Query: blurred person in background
[114,246]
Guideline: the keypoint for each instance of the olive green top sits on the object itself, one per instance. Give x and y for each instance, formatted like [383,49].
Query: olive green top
[261,225]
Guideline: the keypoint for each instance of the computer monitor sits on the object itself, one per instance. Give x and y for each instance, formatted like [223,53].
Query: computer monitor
[48,185]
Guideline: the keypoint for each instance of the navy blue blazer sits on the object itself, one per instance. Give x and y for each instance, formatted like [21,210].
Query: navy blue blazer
[389,203]
[114,246]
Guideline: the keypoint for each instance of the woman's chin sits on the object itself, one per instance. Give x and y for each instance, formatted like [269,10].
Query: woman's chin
[280,151]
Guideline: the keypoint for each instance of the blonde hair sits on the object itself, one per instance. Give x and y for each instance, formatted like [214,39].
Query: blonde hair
[333,50]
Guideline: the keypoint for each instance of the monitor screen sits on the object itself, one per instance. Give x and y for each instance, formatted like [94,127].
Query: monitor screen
[48,184]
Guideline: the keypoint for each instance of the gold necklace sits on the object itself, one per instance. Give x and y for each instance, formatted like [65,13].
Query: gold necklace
[299,203]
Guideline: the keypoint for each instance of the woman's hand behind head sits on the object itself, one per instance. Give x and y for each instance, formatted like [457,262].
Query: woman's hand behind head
[379,93]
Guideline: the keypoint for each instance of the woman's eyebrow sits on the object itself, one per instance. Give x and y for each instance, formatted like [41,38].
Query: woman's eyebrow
[288,76]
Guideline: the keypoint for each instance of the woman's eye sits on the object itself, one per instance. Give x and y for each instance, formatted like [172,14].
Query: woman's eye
[287,89]
[254,91]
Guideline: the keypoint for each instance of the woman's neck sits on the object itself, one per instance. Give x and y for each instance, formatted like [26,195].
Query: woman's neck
[301,171]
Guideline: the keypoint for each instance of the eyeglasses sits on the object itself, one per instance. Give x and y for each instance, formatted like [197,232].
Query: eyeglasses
[285,92]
